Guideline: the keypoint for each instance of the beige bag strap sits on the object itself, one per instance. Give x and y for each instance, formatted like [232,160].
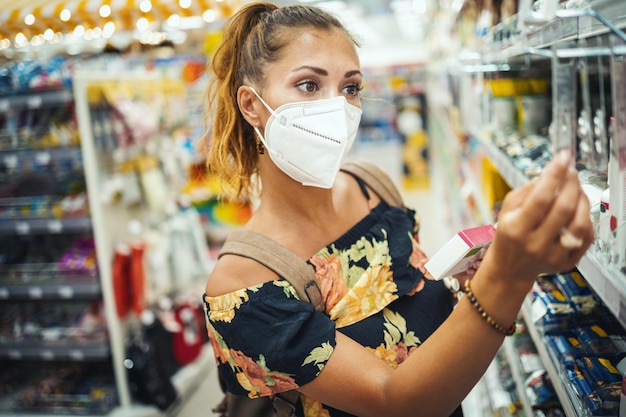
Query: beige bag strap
[279,259]
[377,179]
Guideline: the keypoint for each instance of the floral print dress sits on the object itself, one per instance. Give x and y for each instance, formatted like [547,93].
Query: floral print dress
[375,289]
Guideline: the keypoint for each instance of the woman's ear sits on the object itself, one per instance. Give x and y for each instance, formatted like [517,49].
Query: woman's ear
[246,100]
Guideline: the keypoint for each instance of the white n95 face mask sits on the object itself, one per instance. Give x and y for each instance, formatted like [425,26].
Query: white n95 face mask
[309,140]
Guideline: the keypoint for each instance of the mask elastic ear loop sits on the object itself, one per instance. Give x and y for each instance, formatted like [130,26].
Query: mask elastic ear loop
[267,106]
[256,129]
[258,133]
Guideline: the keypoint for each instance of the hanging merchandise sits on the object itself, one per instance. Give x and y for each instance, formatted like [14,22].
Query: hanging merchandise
[158,268]
[148,380]
[153,183]
[121,279]
[160,338]
[189,340]
[129,279]
[130,187]
[181,248]
[137,276]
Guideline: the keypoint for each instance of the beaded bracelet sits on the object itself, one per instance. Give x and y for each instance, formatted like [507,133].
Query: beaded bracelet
[472,298]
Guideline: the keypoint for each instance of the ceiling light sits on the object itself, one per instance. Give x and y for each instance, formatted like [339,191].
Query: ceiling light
[209,16]
[145,6]
[105,10]
[20,40]
[185,4]
[65,15]
[143,24]
[108,30]
[29,19]
[37,40]
[173,20]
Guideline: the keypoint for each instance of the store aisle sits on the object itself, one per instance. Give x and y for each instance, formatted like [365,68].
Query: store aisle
[433,231]
[208,393]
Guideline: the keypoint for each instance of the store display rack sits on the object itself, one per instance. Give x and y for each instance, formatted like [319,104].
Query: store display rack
[49,133]
[508,42]
[37,286]
[603,279]
[553,49]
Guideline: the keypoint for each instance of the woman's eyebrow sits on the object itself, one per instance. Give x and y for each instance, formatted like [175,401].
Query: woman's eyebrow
[321,71]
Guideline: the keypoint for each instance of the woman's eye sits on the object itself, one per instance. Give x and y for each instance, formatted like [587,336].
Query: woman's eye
[352,90]
[308,86]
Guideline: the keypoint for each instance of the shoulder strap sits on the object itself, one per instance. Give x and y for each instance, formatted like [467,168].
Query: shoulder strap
[377,179]
[279,259]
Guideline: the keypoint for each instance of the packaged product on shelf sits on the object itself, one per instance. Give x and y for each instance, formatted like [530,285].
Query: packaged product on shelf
[575,288]
[458,254]
[596,341]
[605,382]
[564,348]
[551,310]
[541,393]
[622,402]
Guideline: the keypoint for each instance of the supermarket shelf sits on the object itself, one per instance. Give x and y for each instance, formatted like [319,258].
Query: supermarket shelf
[186,381]
[509,172]
[512,357]
[46,225]
[604,281]
[35,99]
[546,359]
[75,351]
[609,284]
[51,291]
[569,26]
[43,156]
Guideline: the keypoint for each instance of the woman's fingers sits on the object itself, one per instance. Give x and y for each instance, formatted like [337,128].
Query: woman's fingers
[559,214]
[524,210]
[545,226]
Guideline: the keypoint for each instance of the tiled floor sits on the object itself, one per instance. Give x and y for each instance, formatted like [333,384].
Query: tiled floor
[432,236]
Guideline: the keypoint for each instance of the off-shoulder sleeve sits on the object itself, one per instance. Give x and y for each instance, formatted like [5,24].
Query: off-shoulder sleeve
[266,341]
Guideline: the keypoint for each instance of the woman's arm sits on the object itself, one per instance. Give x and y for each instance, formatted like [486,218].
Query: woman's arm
[438,375]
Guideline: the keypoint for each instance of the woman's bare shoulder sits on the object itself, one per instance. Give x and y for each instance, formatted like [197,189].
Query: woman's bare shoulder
[233,272]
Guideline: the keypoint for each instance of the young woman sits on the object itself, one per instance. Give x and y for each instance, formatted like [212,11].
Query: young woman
[285,109]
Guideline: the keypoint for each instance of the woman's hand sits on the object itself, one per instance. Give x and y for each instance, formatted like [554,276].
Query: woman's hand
[469,272]
[544,227]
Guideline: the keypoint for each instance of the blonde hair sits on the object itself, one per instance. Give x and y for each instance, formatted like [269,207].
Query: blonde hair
[253,38]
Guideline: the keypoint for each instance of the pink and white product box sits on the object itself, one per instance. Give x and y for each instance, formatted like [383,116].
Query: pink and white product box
[458,254]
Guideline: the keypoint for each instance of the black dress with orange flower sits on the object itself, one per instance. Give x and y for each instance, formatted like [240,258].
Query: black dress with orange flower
[375,289]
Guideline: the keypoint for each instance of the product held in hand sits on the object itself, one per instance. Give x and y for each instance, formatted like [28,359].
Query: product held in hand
[458,254]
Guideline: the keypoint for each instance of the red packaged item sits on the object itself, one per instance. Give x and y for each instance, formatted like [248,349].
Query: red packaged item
[188,341]
[121,280]
[137,277]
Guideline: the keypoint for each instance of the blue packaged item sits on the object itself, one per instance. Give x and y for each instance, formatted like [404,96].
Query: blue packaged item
[583,390]
[596,341]
[551,309]
[541,391]
[566,347]
[605,381]
[575,288]
[6,80]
